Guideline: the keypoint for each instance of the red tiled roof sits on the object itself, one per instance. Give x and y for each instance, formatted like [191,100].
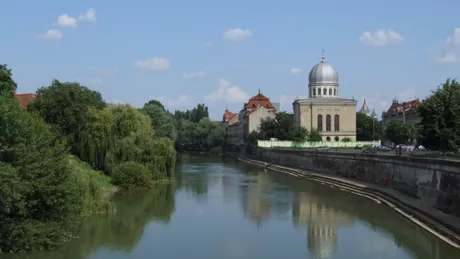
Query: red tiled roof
[25,99]
[259,99]
[399,107]
[228,115]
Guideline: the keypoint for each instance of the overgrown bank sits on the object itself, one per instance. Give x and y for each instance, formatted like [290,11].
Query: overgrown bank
[65,155]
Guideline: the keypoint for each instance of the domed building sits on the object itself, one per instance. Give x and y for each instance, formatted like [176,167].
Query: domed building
[324,110]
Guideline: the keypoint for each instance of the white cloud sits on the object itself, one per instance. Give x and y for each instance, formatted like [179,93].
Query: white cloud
[89,16]
[295,71]
[237,34]
[50,34]
[447,58]
[104,71]
[455,39]
[228,93]
[180,101]
[381,38]
[67,21]
[153,64]
[193,75]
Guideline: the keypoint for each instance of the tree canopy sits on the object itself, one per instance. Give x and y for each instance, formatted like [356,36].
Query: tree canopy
[7,83]
[64,106]
[397,132]
[439,128]
[367,128]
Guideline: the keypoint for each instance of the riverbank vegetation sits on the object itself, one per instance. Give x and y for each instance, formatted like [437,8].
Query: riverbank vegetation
[64,155]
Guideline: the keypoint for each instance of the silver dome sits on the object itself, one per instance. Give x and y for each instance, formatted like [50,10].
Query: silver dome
[323,74]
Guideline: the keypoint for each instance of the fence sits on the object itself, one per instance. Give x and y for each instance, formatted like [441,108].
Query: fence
[332,144]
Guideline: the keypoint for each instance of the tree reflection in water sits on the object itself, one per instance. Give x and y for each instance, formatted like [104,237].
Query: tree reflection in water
[119,231]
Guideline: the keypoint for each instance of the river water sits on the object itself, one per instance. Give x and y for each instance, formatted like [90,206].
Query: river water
[219,208]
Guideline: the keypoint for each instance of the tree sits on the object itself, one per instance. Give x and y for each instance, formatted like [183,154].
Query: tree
[38,190]
[65,106]
[367,128]
[440,112]
[7,83]
[299,134]
[162,121]
[314,135]
[397,132]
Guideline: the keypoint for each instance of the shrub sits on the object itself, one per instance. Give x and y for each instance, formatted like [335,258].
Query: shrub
[131,175]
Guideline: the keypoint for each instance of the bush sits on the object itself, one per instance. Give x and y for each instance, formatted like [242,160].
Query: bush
[131,175]
[38,194]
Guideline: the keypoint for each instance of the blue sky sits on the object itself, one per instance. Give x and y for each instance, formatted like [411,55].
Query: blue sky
[179,51]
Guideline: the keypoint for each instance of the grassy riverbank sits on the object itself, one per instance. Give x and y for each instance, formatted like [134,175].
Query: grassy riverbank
[97,187]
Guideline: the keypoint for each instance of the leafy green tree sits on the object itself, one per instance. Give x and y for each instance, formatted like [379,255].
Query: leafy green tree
[38,190]
[347,139]
[7,83]
[299,134]
[367,128]
[65,106]
[162,121]
[314,135]
[253,137]
[397,132]
[440,112]
[194,115]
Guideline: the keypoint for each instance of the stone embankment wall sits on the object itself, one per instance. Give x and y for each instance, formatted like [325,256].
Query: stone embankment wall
[436,182]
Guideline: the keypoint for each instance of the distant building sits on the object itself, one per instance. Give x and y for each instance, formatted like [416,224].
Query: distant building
[407,112]
[230,121]
[333,117]
[24,99]
[257,108]
[365,110]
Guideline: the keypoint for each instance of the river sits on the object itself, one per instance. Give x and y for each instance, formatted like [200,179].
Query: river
[219,208]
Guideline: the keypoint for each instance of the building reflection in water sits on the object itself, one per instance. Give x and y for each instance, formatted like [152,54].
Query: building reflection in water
[322,222]
[255,201]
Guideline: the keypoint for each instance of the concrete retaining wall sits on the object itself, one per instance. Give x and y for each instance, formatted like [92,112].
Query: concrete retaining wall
[435,182]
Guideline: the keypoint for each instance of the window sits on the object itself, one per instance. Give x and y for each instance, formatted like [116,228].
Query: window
[324,91]
[320,122]
[336,122]
[314,91]
[336,138]
[328,139]
[328,122]
[335,92]
[330,91]
[319,91]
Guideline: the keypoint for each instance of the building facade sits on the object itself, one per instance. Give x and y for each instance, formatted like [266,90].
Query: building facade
[407,112]
[257,108]
[324,110]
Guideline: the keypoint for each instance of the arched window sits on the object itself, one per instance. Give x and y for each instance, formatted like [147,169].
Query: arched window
[314,91]
[336,122]
[336,138]
[328,139]
[335,92]
[330,91]
[324,91]
[328,122]
[320,122]
[319,90]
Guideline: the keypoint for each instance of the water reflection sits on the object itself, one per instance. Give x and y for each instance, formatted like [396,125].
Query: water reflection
[225,209]
[119,231]
[255,201]
[322,220]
